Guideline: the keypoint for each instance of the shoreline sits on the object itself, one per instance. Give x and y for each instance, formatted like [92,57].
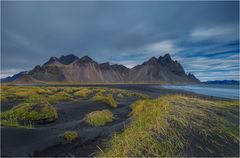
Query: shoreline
[131,86]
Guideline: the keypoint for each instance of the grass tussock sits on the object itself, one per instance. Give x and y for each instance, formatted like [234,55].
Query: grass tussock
[15,123]
[83,92]
[12,93]
[127,93]
[52,95]
[28,112]
[69,90]
[109,100]
[99,118]
[36,98]
[69,136]
[60,96]
[175,125]
[34,103]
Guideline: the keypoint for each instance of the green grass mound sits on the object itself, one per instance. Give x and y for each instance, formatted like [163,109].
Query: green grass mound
[105,99]
[15,123]
[10,93]
[178,126]
[69,136]
[126,93]
[48,94]
[28,112]
[70,90]
[99,118]
[52,95]
[83,92]
[35,99]
[60,96]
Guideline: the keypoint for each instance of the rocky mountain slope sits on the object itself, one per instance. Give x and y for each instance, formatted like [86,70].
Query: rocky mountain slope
[70,68]
[14,77]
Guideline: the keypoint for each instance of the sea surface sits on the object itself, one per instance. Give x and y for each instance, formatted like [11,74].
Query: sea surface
[223,91]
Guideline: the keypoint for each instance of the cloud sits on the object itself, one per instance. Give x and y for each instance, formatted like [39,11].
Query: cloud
[119,32]
[213,68]
[219,33]
[162,47]
[25,42]
[9,72]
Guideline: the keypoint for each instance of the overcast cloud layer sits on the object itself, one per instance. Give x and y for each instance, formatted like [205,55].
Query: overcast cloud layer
[203,36]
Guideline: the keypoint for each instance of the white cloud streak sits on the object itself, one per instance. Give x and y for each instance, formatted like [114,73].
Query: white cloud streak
[218,33]
[162,47]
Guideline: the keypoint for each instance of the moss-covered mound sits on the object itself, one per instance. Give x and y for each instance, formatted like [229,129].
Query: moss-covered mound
[60,96]
[69,136]
[29,112]
[109,100]
[52,95]
[83,92]
[99,118]
[178,126]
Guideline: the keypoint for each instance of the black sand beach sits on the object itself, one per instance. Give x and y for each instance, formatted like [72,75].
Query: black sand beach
[43,139]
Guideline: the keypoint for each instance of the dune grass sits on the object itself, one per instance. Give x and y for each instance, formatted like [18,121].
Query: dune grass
[174,125]
[12,93]
[109,100]
[69,136]
[70,90]
[4,98]
[60,96]
[15,123]
[29,112]
[56,94]
[127,93]
[99,118]
[34,103]
[83,92]
[36,98]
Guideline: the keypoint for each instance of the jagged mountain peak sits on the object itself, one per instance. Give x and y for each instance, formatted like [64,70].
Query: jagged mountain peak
[152,60]
[120,68]
[192,76]
[86,59]
[64,59]
[52,60]
[69,55]
[68,59]
[167,56]
[105,65]
[36,68]
[165,59]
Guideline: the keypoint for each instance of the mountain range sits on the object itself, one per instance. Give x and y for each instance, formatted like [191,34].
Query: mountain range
[71,68]
[225,82]
[14,77]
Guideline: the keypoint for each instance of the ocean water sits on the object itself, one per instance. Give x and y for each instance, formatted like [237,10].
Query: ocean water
[224,91]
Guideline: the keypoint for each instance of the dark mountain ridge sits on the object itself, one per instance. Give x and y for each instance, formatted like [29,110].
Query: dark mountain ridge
[14,77]
[225,82]
[70,68]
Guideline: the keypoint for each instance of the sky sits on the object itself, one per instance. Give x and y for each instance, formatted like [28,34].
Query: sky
[203,36]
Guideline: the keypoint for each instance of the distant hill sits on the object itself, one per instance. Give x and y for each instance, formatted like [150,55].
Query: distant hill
[71,68]
[229,82]
[14,77]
